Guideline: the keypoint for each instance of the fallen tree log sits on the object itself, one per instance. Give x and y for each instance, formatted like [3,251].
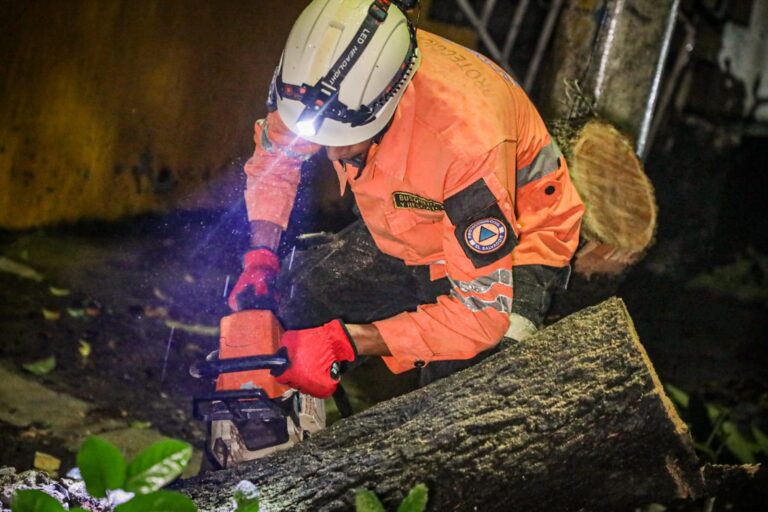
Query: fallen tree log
[573,418]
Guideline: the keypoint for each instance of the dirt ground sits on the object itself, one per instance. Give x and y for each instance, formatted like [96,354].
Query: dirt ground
[145,295]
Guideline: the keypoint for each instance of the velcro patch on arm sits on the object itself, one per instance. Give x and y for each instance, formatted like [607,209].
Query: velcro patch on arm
[482,230]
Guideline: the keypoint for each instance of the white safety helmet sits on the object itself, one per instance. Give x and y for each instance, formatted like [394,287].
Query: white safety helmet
[344,69]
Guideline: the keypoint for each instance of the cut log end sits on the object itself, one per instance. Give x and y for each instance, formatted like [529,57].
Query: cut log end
[620,217]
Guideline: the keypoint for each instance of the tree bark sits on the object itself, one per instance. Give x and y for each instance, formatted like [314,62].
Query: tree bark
[573,418]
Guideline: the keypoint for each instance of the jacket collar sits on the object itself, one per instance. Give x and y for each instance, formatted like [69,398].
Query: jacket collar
[391,156]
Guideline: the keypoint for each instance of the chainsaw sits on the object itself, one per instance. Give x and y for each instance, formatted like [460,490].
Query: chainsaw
[251,415]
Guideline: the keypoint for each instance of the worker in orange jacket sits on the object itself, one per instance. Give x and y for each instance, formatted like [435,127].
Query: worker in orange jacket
[469,218]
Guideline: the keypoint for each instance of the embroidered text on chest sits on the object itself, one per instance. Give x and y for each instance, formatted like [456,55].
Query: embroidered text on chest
[408,200]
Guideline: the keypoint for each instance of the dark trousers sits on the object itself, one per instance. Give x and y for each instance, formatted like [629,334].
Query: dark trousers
[346,276]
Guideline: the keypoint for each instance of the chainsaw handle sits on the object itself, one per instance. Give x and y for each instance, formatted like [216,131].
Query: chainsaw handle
[277,362]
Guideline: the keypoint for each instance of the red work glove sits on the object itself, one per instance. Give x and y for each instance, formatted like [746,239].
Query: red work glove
[313,355]
[254,288]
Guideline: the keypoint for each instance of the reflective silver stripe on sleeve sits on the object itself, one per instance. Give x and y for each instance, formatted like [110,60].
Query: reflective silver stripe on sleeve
[267,145]
[501,303]
[484,283]
[546,162]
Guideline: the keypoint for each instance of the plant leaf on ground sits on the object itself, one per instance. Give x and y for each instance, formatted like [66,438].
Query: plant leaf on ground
[743,449]
[84,349]
[41,366]
[32,500]
[715,432]
[366,501]
[761,439]
[102,466]
[58,292]
[157,466]
[678,396]
[416,501]
[246,497]
[202,330]
[19,269]
[51,315]
[158,501]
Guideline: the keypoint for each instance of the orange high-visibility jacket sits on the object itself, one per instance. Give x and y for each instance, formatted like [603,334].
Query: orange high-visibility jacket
[466,180]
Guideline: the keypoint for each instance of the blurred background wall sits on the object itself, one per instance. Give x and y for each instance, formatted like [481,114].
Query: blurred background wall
[116,107]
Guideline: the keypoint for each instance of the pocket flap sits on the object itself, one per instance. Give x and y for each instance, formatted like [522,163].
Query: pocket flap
[401,220]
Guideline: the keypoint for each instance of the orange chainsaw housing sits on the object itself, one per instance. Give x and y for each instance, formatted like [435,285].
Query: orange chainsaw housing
[250,333]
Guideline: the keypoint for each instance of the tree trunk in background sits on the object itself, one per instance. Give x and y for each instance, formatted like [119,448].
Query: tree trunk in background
[573,418]
[612,49]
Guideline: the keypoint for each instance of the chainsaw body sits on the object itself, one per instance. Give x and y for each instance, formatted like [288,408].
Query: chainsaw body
[250,414]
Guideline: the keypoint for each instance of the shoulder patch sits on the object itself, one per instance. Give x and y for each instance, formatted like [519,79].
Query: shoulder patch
[486,235]
[481,228]
[409,200]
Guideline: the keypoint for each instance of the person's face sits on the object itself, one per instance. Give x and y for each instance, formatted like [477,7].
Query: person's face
[336,153]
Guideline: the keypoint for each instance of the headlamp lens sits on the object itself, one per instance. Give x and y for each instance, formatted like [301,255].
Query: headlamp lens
[309,122]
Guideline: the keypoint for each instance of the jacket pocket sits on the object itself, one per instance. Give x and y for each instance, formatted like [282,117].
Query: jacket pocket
[401,220]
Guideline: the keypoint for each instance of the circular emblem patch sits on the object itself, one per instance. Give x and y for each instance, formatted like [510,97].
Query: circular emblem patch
[485,235]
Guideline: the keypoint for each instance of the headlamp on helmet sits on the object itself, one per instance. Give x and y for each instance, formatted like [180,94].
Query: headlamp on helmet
[309,102]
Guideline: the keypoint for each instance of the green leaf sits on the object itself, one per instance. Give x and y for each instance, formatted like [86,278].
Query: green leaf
[19,269]
[706,451]
[77,509]
[246,497]
[761,438]
[678,396]
[51,314]
[737,443]
[202,330]
[34,501]
[715,412]
[101,465]
[158,501]
[157,465]
[366,501]
[58,292]
[416,501]
[42,366]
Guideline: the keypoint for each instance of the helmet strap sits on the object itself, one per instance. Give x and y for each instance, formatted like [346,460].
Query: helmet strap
[321,100]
